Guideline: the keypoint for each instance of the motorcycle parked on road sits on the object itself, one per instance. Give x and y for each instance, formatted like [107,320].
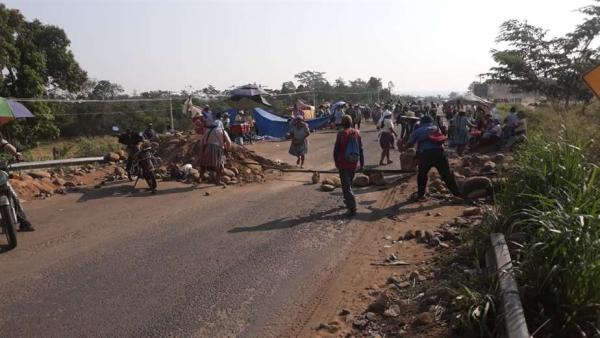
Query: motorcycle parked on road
[8,215]
[144,166]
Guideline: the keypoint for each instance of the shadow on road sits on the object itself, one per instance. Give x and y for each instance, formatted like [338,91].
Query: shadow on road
[89,194]
[284,223]
[372,215]
[4,248]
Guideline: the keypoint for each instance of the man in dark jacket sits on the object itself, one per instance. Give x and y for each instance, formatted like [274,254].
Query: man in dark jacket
[347,168]
[431,154]
[149,133]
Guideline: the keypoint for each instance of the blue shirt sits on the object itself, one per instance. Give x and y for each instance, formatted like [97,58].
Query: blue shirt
[421,137]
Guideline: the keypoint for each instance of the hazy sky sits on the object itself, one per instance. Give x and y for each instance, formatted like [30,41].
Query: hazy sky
[420,45]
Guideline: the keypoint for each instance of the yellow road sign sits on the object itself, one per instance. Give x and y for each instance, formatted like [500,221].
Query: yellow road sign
[592,79]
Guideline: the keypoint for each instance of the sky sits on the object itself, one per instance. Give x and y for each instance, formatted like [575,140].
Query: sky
[422,46]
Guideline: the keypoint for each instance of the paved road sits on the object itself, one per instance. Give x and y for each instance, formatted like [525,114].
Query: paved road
[117,262]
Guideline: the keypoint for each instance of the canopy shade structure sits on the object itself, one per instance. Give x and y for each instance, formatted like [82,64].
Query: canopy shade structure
[252,92]
[11,110]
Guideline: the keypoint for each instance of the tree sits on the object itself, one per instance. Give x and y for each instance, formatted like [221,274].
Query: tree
[288,87]
[390,86]
[104,89]
[312,80]
[210,91]
[534,62]
[452,95]
[340,84]
[35,59]
[374,84]
[358,85]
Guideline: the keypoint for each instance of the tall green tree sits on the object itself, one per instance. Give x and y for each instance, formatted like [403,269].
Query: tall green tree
[312,80]
[35,60]
[551,66]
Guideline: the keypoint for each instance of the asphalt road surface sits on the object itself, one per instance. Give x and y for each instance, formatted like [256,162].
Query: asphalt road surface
[244,261]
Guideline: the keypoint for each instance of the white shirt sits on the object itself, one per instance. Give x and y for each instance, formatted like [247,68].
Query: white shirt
[388,124]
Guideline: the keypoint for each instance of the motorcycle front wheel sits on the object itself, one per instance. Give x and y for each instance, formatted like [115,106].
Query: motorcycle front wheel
[151,180]
[8,225]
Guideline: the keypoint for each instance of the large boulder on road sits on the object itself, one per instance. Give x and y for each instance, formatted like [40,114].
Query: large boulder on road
[327,181]
[361,180]
[59,181]
[337,182]
[112,157]
[194,174]
[376,179]
[327,187]
[228,172]
[40,174]
[476,183]
[408,160]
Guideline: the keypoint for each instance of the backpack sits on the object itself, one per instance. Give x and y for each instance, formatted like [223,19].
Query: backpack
[352,153]
[437,137]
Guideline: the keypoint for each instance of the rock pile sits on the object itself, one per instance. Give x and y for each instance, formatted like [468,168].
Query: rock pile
[242,165]
[41,184]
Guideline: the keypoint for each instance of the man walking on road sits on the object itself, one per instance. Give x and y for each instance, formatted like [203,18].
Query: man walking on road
[431,153]
[348,157]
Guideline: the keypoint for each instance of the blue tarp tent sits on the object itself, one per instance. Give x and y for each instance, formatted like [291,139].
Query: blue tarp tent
[317,123]
[270,124]
[277,126]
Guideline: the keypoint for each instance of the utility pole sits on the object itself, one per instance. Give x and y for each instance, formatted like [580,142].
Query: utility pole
[171,112]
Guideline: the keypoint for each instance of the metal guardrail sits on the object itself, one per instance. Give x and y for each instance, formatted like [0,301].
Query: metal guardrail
[514,317]
[56,163]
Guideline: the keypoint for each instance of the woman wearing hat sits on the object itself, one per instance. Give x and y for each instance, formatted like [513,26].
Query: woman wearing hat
[299,134]
[387,136]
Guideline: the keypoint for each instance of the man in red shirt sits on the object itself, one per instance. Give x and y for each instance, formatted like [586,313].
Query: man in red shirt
[347,167]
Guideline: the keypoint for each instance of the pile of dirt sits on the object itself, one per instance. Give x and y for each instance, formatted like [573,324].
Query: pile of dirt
[242,164]
[41,184]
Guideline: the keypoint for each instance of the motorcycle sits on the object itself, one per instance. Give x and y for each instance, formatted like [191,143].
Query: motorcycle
[144,165]
[8,215]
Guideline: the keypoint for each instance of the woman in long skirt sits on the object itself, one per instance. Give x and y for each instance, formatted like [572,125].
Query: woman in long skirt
[387,136]
[299,135]
[214,144]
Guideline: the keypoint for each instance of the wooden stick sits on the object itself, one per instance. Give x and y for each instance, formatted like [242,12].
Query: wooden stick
[366,171]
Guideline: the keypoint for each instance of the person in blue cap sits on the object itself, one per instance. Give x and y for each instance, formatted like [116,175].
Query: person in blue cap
[430,152]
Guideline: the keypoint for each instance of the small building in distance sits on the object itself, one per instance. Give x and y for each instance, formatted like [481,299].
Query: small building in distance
[499,92]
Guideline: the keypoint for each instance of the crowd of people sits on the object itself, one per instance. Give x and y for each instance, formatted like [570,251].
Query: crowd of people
[431,128]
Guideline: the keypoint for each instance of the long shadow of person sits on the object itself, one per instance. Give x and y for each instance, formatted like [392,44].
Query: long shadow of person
[285,222]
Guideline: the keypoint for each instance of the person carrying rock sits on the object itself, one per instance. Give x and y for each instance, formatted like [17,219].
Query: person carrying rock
[348,156]
[431,153]
[214,144]
[24,224]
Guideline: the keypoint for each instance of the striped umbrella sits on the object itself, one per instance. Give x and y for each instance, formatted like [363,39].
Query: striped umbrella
[11,110]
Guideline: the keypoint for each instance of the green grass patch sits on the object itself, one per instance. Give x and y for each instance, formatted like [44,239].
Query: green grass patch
[71,148]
